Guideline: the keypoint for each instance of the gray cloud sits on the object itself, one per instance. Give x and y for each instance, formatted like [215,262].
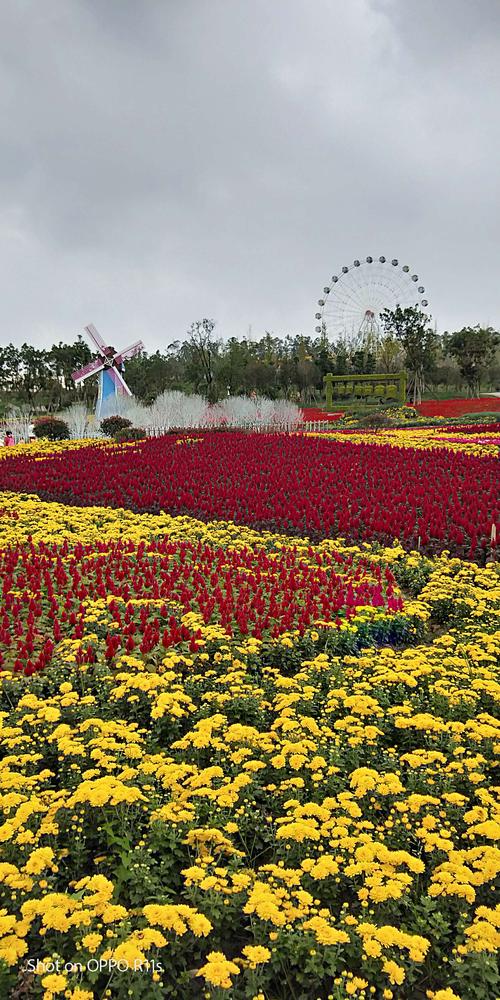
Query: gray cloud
[168,160]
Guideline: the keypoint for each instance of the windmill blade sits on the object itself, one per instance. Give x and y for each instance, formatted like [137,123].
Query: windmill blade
[119,380]
[129,352]
[83,373]
[96,337]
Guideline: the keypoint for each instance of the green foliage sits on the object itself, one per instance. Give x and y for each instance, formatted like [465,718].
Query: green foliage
[111,425]
[42,377]
[52,428]
[473,348]
[292,367]
[130,434]
[410,327]
[203,351]
[363,362]
[377,420]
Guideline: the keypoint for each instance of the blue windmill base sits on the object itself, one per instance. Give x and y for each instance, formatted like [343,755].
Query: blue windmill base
[109,390]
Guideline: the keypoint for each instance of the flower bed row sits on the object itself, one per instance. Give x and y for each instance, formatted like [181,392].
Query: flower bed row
[476,429]
[148,597]
[252,818]
[290,483]
[473,441]
[40,448]
[458,407]
[310,413]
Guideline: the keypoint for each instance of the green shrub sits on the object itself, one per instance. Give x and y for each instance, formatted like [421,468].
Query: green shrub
[52,428]
[130,434]
[377,420]
[111,425]
[357,410]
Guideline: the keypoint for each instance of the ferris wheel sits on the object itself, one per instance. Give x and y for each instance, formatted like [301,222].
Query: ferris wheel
[352,303]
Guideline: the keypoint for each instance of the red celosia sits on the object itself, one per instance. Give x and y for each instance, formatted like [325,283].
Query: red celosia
[313,413]
[50,589]
[458,407]
[306,486]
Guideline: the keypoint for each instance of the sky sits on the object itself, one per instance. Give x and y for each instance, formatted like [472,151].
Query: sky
[168,160]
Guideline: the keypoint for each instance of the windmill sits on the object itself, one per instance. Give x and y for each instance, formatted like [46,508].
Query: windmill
[110,366]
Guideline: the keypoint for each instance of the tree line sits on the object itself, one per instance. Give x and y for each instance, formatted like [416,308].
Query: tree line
[291,367]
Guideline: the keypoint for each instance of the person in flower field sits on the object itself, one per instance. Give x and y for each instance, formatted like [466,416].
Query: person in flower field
[8,439]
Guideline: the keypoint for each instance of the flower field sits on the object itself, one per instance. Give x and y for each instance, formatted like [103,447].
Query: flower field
[315,413]
[338,486]
[467,439]
[249,736]
[427,408]
[150,597]
[458,407]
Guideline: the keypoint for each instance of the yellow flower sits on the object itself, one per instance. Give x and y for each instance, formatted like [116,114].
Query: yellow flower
[12,948]
[39,859]
[91,942]
[111,913]
[324,932]
[218,970]
[353,985]
[256,955]
[395,972]
[55,983]
[447,994]
[177,918]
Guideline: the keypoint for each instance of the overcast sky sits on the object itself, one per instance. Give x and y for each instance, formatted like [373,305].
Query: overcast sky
[166,160]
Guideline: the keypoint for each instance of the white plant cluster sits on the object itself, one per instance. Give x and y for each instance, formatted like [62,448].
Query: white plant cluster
[81,423]
[123,406]
[19,420]
[242,411]
[178,411]
[175,409]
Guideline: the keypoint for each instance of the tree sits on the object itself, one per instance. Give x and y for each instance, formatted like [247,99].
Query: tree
[411,328]
[308,378]
[232,367]
[341,363]
[36,372]
[64,360]
[287,376]
[9,367]
[269,348]
[390,355]
[322,356]
[363,362]
[473,348]
[150,375]
[203,349]
[260,376]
